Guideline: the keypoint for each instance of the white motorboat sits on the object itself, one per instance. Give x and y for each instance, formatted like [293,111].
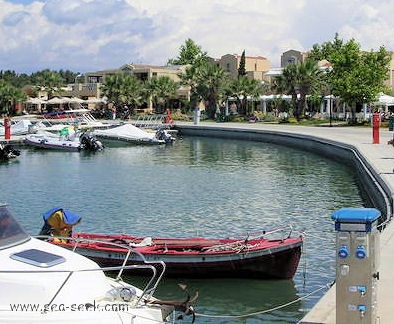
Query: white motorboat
[81,117]
[17,127]
[44,283]
[132,134]
[68,140]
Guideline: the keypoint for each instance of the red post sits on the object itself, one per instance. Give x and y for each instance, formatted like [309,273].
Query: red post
[7,128]
[375,128]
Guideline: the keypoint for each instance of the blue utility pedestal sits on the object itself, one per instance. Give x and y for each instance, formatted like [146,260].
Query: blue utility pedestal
[357,246]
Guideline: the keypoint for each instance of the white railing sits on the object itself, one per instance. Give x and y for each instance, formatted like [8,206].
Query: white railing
[157,267]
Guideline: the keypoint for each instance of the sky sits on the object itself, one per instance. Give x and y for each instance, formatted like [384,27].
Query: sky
[92,35]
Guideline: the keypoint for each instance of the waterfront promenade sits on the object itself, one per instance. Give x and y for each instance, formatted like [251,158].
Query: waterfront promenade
[379,157]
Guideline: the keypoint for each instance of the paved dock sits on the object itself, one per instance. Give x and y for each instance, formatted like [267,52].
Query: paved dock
[380,157]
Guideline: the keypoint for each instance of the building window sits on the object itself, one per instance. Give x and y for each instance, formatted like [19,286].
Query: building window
[291,60]
[95,79]
[143,76]
[228,67]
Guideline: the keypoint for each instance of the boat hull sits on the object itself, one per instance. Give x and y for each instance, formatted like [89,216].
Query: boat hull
[125,140]
[73,147]
[76,143]
[278,265]
[277,259]
[128,133]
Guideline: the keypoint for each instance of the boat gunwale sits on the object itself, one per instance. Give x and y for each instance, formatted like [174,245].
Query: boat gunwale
[173,247]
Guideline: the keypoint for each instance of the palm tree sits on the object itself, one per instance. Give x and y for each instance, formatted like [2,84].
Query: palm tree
[125,91]
[191,78]
[9,96]
[212,83]
[287,83]
[241,89]
[310,82]
[300,80]
[50,82]
[160,90]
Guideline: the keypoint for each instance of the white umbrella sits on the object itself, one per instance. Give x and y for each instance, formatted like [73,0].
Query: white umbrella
[58,100]
[76,100]
[96,100]
[385,99]
[35,101]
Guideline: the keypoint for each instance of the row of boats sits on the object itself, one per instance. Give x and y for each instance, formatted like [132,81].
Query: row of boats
[80,132]
[72,138]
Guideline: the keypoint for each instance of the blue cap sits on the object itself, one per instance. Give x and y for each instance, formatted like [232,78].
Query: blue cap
[69,217]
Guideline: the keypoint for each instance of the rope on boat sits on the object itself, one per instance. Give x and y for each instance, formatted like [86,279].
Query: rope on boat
[328,286]
[242,244]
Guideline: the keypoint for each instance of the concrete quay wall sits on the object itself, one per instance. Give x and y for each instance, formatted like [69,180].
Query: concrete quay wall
[379,195]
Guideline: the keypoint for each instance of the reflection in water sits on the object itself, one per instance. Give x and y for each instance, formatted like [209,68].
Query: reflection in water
[198,186]
[227,300]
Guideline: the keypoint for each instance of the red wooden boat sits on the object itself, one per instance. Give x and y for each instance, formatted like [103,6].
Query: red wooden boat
[257,257]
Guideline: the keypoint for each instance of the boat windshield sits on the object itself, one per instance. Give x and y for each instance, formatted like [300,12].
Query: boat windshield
[11,233]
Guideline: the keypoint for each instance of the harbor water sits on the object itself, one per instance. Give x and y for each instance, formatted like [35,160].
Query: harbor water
[198,187]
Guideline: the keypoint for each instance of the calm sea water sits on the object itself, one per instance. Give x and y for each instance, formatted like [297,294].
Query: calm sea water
[198,186]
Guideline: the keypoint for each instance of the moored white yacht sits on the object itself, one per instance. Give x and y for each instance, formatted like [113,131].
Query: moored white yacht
[132,134]
[44,283]
[67,140]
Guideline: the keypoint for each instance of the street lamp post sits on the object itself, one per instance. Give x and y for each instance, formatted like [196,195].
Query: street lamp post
[75,90]
[76,77]
[330,97]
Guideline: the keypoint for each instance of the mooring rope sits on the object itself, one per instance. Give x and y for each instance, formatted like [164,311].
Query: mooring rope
[268,310]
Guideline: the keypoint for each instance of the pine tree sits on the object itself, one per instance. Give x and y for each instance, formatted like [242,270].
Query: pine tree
[241,68]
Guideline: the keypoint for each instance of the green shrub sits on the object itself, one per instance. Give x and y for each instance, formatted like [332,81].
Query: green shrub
[268,118]
[181,117]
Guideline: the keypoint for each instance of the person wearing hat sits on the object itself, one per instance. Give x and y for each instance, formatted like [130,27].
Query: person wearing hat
[59,222]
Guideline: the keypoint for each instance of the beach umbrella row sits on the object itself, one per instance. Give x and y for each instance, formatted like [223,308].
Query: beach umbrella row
[64,100]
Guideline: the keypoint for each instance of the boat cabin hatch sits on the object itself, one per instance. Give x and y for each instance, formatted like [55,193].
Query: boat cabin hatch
[38,258]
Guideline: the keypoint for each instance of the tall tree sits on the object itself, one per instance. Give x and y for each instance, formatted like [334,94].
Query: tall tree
[191,78]
[242,67]
[11,77]
[68,76]
[211,86]
[242,89]
[286,83]
[9,96]
[161,89]
[189,53]
[49,81]
[357,76]
[311,82]
[124,90]
[300,80]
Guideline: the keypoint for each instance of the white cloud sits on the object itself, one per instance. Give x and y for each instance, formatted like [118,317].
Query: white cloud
[86,35]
